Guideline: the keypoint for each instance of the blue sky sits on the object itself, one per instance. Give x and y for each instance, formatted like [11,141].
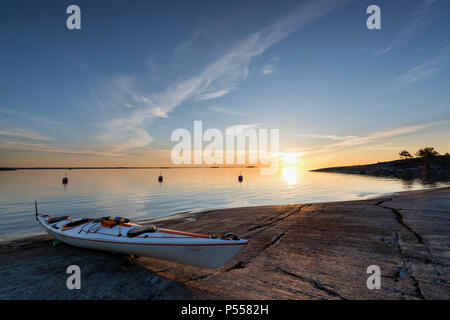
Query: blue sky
[112,92]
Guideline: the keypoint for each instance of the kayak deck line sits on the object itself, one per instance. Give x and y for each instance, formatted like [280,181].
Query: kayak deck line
[157,244]
[144,237]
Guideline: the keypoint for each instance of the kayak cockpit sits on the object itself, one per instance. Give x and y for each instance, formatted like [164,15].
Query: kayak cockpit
[134,232]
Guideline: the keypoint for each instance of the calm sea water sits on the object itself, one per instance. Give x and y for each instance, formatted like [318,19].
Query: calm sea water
[137,194]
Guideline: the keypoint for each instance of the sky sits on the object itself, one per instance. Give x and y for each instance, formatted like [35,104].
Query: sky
[112,93]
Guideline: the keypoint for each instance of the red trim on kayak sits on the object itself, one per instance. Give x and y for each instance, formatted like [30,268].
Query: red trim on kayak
[137,237]
[182,233]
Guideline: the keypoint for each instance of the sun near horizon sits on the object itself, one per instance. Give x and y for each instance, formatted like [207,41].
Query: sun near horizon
[350,96]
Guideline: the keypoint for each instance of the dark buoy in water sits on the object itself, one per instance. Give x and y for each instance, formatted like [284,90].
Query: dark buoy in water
[160,178]
[65,180]
[240,178]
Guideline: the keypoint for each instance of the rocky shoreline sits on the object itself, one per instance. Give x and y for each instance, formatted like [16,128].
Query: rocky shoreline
[298,251]
[433,169]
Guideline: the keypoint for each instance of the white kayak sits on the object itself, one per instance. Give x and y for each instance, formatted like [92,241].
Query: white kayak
[132,238]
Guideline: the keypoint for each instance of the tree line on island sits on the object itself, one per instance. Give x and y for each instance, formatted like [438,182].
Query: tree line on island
[426,152]
[427,165]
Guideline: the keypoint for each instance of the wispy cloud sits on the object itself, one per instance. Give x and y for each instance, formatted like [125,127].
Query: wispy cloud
[197,34]
[326,136]
[423,71]
[426,12]
[217,78]
[24,146]
[228,111]
[212,95]
[423,14]
[241,127]
[28,116]
[270,67]
[27,134]
[384,50]
[375,137]
[125,138]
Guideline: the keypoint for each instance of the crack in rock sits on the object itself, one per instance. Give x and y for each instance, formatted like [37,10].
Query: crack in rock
[243,264]
[418,288]
[269,224]
[314,283]
[199,277]
[379,203]
[400,219]
[240,265]
[162,270]
[275,241]
[402,271]
[274,221]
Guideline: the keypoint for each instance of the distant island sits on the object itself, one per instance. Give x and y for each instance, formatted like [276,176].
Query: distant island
[427,165]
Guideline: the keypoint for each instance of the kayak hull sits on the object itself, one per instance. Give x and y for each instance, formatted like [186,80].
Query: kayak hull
[200,250]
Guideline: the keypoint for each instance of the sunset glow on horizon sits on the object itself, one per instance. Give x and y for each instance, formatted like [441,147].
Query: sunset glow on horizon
[339,93]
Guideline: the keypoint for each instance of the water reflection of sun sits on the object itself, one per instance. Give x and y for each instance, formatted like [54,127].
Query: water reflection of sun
[290,175]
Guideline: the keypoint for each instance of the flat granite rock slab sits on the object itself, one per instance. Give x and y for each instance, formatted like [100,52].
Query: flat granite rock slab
[299,251]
